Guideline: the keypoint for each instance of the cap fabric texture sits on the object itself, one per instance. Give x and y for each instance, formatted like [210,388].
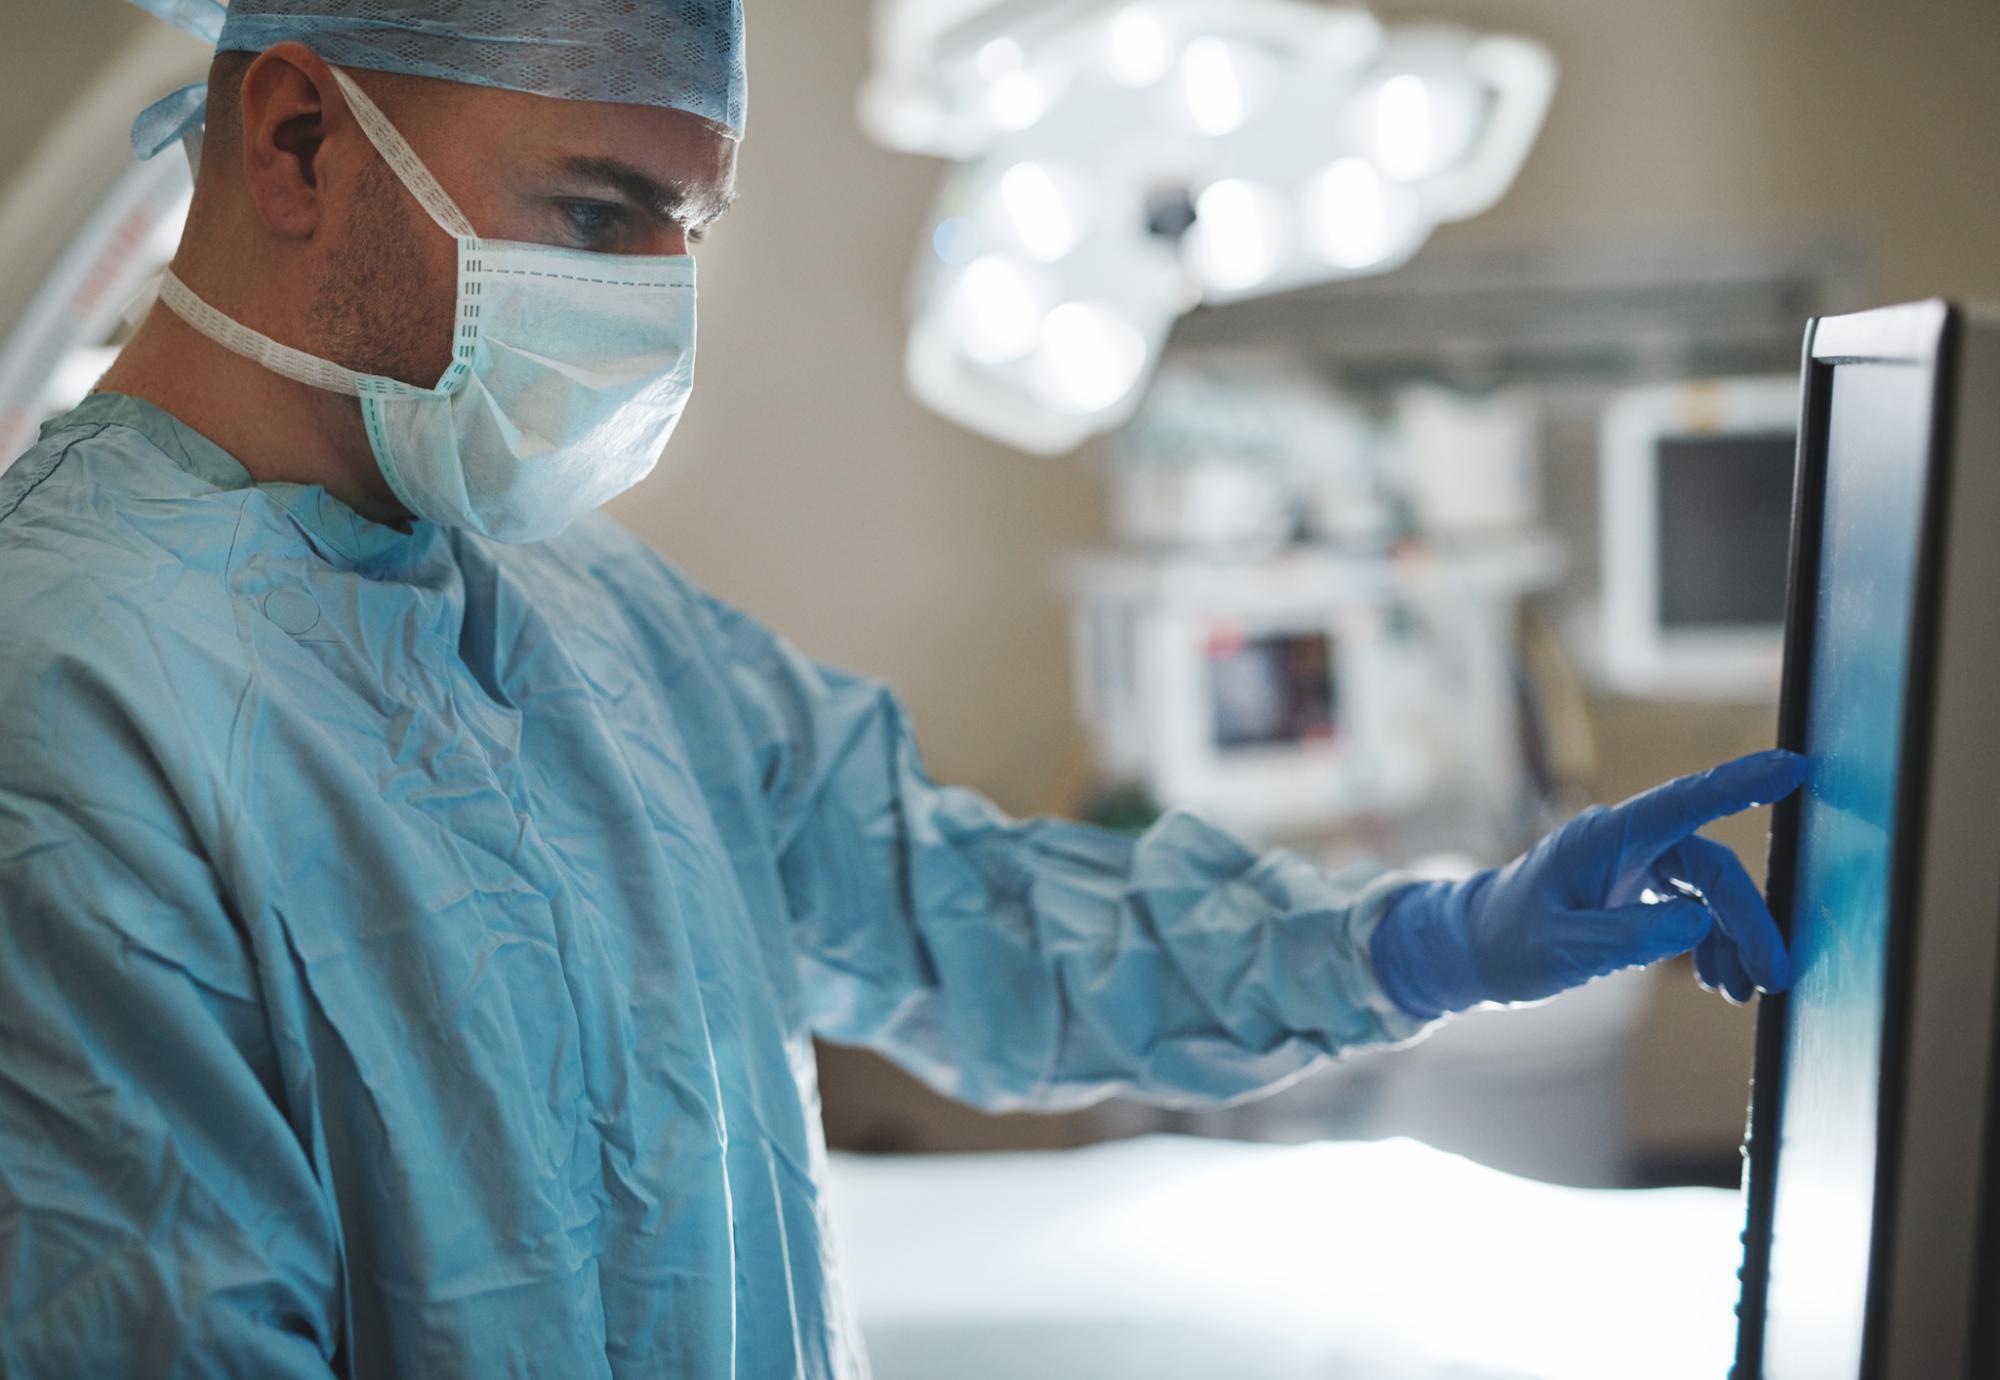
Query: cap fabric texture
[679,54]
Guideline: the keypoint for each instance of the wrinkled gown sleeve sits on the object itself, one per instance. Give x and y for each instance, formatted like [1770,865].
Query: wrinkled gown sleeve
[1042,964]
[159,1213]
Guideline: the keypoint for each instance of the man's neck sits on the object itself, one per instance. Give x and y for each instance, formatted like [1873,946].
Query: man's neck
[279,430]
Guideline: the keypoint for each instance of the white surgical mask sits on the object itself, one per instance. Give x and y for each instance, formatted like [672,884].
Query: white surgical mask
[569,371]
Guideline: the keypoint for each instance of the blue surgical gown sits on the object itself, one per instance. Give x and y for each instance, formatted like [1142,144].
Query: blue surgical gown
[410,946]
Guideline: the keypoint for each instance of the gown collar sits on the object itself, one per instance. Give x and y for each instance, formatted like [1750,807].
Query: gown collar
[335,527]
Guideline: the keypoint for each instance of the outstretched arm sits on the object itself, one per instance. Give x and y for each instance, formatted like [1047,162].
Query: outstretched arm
[1043,963]
[1040,963]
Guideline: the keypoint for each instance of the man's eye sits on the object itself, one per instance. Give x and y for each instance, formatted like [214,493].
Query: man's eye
[592,221]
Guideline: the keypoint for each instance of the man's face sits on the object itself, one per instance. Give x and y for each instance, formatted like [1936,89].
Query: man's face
[604,178]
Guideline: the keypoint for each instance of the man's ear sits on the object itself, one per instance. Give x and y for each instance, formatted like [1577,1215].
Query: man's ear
[290,107]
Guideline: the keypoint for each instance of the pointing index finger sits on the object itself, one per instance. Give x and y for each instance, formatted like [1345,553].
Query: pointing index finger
[1667,814]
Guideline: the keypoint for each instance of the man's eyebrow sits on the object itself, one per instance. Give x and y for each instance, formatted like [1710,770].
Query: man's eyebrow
[676,203]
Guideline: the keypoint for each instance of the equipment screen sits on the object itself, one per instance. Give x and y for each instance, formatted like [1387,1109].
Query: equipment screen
[1271,691]
[1721,498]
[1876,444]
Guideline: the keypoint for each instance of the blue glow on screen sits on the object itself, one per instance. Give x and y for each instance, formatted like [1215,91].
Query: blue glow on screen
[1825,1182]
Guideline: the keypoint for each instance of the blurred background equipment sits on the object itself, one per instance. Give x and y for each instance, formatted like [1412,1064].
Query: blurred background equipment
[1310,619]
[1694,478]
[1312,688]
[1116,162]
[84,228]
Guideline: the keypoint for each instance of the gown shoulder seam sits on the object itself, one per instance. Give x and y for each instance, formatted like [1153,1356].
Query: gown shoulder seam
[49,464]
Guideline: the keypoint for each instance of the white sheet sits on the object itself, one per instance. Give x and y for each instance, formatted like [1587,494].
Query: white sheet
[1170,1257]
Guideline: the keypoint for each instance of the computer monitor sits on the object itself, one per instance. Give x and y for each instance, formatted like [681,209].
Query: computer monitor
[1872,1250]
[1692,479]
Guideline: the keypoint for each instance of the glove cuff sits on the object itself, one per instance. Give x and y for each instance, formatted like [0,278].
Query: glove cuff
[1422,951]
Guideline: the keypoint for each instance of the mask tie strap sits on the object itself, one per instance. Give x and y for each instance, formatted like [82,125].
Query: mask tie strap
[403,160]
[279,358]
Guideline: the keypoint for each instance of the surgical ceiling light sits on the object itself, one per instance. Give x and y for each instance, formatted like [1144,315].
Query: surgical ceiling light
[1138,51]
[1044,216]
[1214,87]
[997,307]
[1118,162]
[1355,218]
[1239,236]
[1090,355]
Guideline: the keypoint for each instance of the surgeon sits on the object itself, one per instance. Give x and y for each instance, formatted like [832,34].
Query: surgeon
[417,899]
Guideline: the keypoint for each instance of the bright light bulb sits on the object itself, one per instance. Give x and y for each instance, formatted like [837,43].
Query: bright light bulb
[1418,125]
[1017,100]
[997,57]
[1355,219]
[1212,86]
[1043,219]
[1404,133]
[1016,95]
[1090,357]
[996,308]
[1239,235]
[1136,48]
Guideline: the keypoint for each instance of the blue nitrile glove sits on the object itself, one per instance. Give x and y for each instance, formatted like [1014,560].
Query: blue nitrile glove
[1571,908]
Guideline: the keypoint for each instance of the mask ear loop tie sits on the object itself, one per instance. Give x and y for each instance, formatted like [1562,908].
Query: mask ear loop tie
[403,160]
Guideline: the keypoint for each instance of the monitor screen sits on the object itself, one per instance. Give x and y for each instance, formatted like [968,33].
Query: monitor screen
[1722,499]
[1823,1209]
[1271,691]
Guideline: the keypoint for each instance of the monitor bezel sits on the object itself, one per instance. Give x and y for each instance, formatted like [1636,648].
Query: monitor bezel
[1924,335]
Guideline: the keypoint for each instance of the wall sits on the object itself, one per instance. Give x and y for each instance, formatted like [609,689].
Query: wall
[1878,117]
[53,47]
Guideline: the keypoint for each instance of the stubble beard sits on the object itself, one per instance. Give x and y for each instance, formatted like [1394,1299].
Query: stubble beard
[376,308]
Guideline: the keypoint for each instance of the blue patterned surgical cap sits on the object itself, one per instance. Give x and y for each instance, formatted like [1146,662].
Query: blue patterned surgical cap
[681,54]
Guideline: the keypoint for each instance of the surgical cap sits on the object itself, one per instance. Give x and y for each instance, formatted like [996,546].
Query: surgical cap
[680,54]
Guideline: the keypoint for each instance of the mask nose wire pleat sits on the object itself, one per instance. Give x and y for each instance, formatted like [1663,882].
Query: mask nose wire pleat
[403,160]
